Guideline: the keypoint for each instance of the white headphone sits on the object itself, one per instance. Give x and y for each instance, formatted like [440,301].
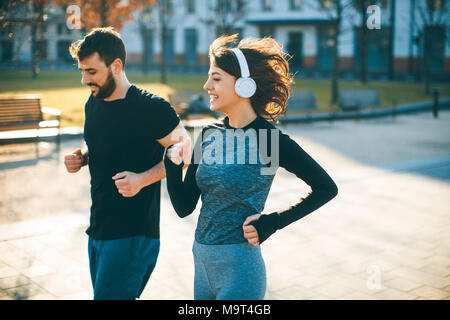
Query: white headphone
[245,86]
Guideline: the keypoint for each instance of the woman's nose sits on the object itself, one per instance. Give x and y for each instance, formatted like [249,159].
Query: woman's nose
[207,85]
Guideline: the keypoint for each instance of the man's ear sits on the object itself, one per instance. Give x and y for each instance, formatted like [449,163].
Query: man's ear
[117,66]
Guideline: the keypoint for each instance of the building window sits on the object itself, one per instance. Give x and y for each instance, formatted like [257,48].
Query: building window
[61,28]
[6,50]
[434,47]
[39,48]
[326,4]
[266,5]
[296,4]
[377,49]
[435,5]
[325,47]
[190,6]
[266,31]
[190,46]
[63,50]
[384,4]
[167,6]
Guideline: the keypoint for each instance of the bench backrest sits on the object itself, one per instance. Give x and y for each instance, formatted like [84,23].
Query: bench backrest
[177,99]
[301,100]
[350,99]
[23,111]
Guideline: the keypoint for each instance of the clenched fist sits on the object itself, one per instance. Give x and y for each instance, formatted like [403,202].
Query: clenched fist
[128,183]
[73,161]
[180,152]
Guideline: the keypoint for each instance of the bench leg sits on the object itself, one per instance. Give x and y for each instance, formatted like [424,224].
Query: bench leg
[36,144]
[331,119]
[58,139]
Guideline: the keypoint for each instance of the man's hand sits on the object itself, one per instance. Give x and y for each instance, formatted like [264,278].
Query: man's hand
[128,183]
[73,161]
[250,232]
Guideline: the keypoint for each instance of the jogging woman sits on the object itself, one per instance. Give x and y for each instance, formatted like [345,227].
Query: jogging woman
[232,169]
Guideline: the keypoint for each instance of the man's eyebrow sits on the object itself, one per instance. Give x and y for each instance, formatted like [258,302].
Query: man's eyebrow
[87,69]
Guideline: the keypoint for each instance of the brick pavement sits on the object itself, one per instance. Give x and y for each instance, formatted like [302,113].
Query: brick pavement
[384,237]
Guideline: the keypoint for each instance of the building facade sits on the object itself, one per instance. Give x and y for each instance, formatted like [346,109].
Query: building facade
[415,38]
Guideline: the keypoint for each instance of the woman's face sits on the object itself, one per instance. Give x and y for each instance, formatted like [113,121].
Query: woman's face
[220,87]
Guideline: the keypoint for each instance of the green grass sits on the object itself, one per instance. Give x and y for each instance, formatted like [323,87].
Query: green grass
[63,90]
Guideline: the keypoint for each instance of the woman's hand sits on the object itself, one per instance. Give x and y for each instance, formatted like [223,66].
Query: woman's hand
[180,152]
[250,232]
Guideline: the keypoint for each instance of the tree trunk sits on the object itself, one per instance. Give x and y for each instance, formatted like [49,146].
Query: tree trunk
[146,48]
[36,34]
[34,53]
[163,51]
[104,13]
[426,61]
[163,11]
[391,42]
[363,44]
[163,59]
[335,70]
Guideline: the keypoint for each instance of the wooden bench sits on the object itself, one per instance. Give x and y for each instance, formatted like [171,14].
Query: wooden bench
[355,100]
[300,102]
[25,113]
[180,102]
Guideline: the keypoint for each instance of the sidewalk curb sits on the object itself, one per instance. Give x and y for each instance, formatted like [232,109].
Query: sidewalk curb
[69,133]
[423,106]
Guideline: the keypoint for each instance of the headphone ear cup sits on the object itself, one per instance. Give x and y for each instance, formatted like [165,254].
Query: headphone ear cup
[245,87]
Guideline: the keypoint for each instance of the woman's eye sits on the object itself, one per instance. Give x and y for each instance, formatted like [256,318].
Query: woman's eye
[216,79]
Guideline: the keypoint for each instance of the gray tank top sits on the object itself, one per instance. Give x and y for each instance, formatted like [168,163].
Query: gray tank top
[232,186]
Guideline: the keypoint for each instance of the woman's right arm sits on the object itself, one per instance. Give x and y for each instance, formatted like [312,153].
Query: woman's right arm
[184,195]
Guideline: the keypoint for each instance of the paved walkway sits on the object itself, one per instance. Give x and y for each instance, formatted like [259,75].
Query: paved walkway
[384,237]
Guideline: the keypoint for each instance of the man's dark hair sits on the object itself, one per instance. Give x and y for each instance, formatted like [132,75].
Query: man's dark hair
[105,41]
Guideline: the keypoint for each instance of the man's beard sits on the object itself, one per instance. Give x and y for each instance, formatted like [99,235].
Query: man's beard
[107,89]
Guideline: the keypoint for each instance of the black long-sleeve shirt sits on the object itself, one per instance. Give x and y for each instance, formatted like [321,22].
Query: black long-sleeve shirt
[231,179]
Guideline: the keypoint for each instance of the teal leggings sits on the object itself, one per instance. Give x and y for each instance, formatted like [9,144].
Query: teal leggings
[228,272]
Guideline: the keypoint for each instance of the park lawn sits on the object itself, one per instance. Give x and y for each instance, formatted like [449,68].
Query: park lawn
[63,90]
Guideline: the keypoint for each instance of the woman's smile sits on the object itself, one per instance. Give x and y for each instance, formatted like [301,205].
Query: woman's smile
[213,98]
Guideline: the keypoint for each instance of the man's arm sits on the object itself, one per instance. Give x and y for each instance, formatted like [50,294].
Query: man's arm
[129,183]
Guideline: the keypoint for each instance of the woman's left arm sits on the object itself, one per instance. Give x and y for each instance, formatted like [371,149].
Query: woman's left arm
[296,160]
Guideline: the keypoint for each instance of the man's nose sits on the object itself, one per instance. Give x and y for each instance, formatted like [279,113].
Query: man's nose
[84,79]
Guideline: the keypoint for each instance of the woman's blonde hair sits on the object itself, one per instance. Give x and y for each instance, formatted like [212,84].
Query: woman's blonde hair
[268,68]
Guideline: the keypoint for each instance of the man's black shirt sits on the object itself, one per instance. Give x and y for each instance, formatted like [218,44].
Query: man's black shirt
[121,136]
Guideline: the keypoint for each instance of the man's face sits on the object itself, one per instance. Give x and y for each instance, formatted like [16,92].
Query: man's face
[97,76]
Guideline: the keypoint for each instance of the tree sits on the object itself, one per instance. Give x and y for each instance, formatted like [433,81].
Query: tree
[225,15]
[434,16]
[339,11]
[335,68]
[361,7]
[17,15]
[165,10]
[145,21]
[105,13]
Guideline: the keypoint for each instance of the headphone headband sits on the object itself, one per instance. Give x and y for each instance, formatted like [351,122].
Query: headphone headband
[245,73]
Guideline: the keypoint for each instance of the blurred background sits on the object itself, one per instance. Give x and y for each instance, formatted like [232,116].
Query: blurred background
[401,48]
[370,102]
